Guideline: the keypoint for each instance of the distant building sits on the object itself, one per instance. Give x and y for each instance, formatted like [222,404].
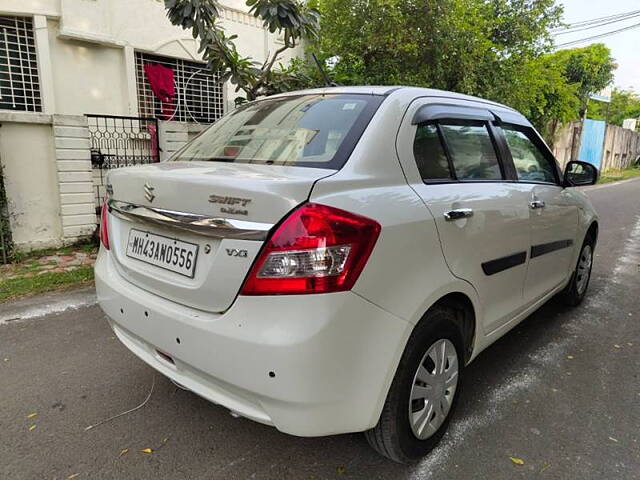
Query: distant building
[67,68]
[630,123]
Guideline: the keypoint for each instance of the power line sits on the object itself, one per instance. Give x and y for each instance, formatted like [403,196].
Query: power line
[593,21]
[596,20]
[602,35]
[591,27]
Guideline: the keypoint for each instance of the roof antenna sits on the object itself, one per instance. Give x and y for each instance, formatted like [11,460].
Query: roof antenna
[326,78]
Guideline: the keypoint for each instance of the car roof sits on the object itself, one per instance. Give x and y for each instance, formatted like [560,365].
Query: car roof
[407,95]
[387,90]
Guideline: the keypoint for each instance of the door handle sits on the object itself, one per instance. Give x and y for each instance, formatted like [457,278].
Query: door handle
[457,214]
[535,204]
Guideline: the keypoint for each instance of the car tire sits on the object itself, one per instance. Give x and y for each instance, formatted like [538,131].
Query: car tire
[394,436]
[575,291]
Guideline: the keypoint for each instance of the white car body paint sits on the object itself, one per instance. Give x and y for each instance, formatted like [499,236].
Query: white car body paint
[320,364]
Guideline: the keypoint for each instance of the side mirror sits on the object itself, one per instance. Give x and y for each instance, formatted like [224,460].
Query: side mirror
[578,174]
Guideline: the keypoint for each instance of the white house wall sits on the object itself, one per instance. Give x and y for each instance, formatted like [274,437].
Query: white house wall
[31,182]
[87,78]
[49,8]
[88,39]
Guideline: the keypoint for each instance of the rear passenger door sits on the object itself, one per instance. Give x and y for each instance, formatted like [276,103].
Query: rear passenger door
[553,217]
[454,163]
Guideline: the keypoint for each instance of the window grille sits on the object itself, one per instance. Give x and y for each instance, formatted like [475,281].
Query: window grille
[19,82]
[198,93]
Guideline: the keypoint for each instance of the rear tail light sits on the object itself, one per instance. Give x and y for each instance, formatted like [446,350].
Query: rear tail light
[104,224]
[317,249]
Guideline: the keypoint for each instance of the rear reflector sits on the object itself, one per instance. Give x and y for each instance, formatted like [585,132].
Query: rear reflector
[104,224]
[317,249]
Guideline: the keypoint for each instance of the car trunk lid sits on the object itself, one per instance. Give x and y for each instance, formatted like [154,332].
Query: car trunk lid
[220,212]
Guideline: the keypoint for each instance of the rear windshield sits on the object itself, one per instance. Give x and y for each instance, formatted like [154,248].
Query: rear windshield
[307,130]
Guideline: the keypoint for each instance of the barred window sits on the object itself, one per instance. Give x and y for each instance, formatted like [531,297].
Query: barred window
[197,94]
[19,82]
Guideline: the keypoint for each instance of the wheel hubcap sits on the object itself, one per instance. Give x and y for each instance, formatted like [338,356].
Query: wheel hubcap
[584,269]
[434,386]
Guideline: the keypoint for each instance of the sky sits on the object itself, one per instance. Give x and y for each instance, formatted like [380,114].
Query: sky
[625,46]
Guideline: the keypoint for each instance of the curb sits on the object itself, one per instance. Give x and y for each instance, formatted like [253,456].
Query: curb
[46,304]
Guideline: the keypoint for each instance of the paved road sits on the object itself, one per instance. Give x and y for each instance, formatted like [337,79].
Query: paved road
[561,392]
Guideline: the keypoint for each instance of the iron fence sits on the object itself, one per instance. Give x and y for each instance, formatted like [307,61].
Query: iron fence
[120,141]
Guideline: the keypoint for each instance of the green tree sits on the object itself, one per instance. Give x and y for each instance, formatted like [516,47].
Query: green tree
[293,19]
[590,69]
[542,93]
[495,49]
[468,46]
[624,104]
[554,88]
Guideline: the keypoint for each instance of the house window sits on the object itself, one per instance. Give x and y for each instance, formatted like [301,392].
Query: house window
[178,90]
[19,82]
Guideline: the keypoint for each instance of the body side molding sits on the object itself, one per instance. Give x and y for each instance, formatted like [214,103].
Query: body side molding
[504,263]
[544,248]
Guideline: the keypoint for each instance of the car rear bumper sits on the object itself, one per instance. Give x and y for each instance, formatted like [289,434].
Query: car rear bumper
[310,365]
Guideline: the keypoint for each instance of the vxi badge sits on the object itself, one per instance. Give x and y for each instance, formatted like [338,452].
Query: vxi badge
[233,205]
[234,252]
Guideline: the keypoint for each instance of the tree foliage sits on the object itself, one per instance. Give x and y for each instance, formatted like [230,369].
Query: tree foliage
[468,46]
[495,49]
[541,92]
[293,19]
[624,104]
[589,68]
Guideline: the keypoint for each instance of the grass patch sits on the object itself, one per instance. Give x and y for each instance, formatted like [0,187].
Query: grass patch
[88,247]
[617,175]
[46,282]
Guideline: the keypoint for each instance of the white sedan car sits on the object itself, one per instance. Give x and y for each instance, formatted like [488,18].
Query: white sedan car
[329,261]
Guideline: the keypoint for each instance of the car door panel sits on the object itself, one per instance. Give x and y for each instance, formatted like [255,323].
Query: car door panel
[488,249]
[553,230]
[486,238]
[553,216]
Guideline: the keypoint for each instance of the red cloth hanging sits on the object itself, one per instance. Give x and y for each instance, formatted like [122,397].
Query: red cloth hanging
[161,81]
[153,133]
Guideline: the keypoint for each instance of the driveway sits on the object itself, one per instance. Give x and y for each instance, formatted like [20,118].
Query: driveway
[561,392]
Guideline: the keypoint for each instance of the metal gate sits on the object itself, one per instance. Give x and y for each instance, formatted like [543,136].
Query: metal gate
[592,142]
[118,141]
[6,246]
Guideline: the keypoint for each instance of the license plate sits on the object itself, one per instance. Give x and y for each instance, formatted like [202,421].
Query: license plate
[164,252]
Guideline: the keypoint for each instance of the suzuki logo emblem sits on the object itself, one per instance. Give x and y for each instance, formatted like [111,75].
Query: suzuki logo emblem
[148,192]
